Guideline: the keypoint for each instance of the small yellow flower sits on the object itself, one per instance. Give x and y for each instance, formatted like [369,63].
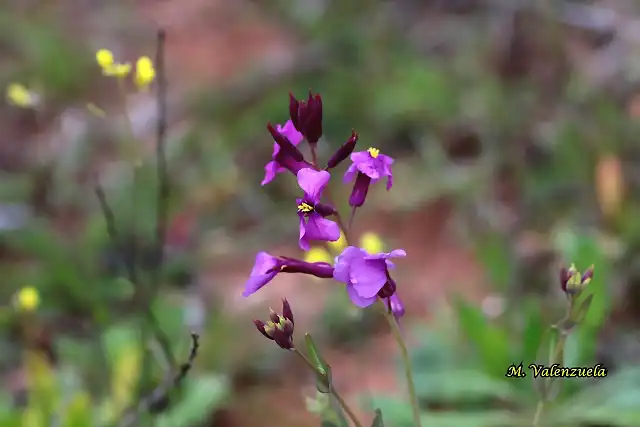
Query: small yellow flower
[28,298]
[145,73]
[318,255]
[104,58]
[117,70]
[109,67]
[371,243]
[338,246]
[20,96]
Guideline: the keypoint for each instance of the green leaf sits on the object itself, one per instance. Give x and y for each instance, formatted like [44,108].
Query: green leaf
[533,332]
[463,386]
[490,341]
[323,376]
[378,421]
[202,397]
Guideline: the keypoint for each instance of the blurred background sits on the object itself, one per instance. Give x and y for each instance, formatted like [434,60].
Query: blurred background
[514,125]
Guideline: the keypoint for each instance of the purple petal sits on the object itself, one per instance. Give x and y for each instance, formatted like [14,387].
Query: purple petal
[276,150]
[261,274]
[388,161]
[254,283]
[313,182]
[359,300]
[351,173]
[397,253]
[343,263]
[368,276]
[397,307]
[289,130]
[270,171]
[302,241]
[366,164]
[318,228]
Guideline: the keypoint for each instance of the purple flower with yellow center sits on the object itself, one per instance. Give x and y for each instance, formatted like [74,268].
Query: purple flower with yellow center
[281,160]
[267,267]
[280,326]
[368,167]
[366,276]
[313,222]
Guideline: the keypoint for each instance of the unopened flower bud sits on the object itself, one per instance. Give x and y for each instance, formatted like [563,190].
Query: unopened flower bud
[572,281]
[360,190]
[279,328]
[285,145]
[306,116]
[344,151]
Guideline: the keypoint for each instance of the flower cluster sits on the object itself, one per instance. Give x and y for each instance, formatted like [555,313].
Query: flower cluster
[364,272]
[144,71]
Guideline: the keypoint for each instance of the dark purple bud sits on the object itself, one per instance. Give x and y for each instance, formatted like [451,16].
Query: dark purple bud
[324,210]
[279,328]
[313,121]
[292,165]
[294,107]
[564,278]
[286,310]
[587,275]
[388,289]
[360,190]
[306,116]
[285,144]
[260,326]
[318,269]
[344,151]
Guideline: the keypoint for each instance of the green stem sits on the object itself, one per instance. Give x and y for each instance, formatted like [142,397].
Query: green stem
[333,391]
[538,414]
[406,361]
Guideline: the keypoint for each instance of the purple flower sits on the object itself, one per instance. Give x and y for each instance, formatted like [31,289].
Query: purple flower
[368,166]
[281,160]
[312,213]
[366,276]
[307,116]
[267,267]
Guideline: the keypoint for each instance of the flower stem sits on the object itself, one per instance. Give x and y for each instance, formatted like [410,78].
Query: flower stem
[352,217]
[538,414]
[406,361]
[332,390]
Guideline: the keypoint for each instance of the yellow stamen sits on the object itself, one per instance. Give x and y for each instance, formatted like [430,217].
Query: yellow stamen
[374,152]
[305,207]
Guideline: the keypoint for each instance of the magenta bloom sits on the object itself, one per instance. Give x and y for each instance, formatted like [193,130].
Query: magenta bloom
[366,276]
[267,267]
[368,167]
[279,165]
[313,222]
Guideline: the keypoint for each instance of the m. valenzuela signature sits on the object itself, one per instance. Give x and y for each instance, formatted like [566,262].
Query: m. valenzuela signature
[557,371]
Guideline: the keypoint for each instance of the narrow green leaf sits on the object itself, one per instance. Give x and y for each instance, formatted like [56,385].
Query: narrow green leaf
[490,341]
[323,376]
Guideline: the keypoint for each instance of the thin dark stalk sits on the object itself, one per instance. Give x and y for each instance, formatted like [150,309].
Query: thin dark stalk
[159,397]
[162,200]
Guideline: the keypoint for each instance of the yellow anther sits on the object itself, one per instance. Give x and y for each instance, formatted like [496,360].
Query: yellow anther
[374,152]
[305,207]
